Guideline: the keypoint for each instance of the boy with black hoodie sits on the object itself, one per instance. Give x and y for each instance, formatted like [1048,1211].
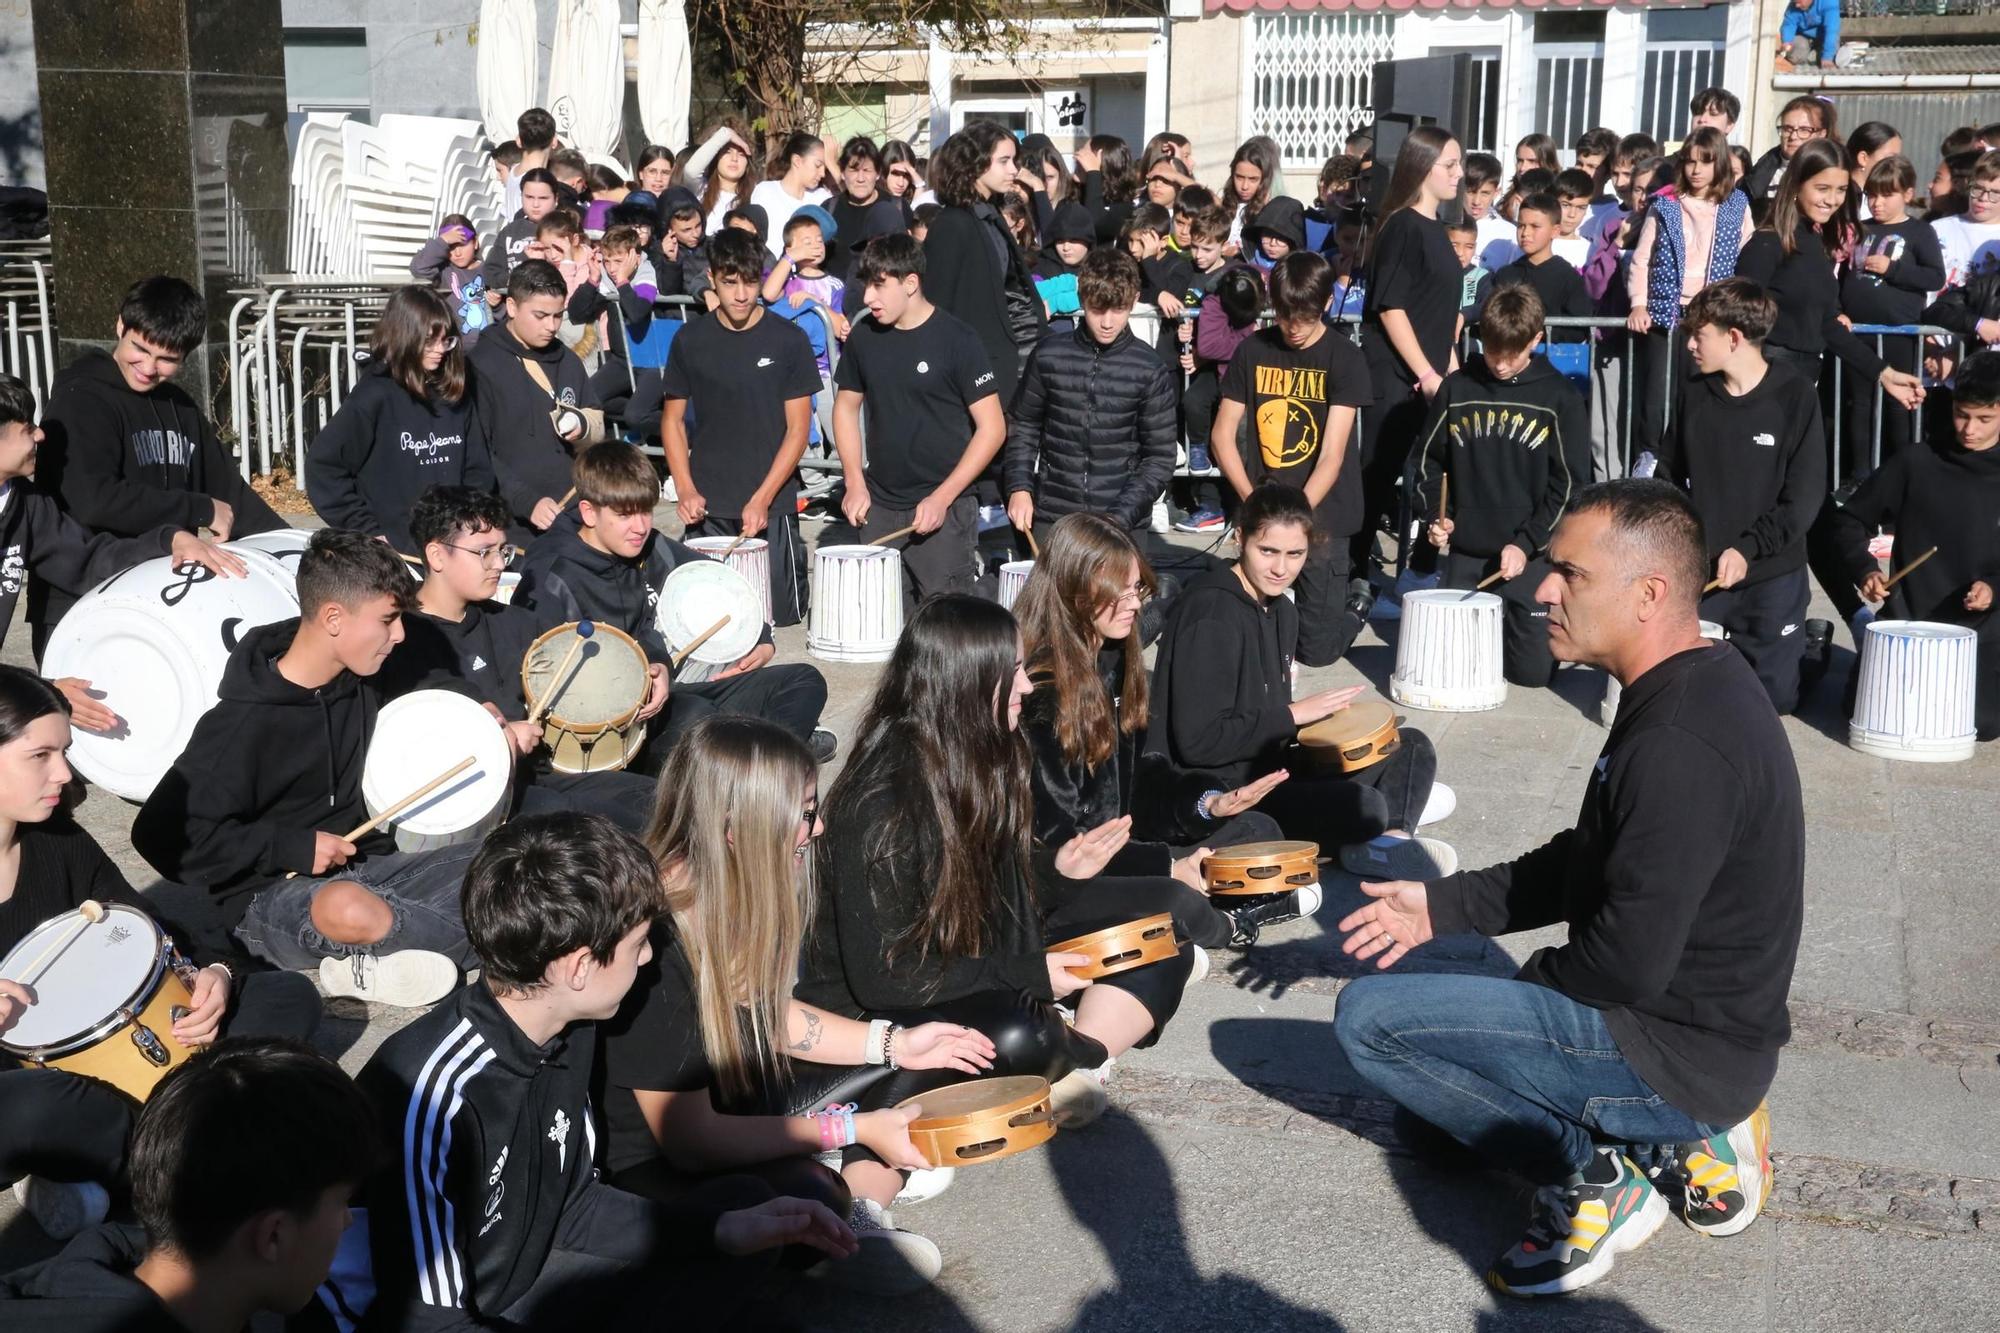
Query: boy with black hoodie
[1946,497]
[257,808]
[242,1166]
[536,406]
[128,451]
[510,247]
[1512,436]
[1746,445]
[1554,278]
[603,561]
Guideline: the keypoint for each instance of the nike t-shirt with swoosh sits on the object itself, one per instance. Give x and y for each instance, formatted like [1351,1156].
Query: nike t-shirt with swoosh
[918,387]
[736,385]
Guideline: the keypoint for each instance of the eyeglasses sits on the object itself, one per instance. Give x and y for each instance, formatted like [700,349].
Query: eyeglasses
[1797,131]
[447,341]
[500,556]
[1984,196]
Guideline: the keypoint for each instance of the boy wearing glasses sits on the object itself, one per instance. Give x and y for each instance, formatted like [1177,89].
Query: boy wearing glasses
[1971,240]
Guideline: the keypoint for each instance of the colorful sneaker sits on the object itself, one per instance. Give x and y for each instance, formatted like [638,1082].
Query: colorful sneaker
[1719,1185]
[1579,1229]
[1202,520]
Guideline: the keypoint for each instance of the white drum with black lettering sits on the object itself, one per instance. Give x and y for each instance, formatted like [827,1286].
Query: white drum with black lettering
[857,603]
[1448,653]
[418,736]
[1607,712]
[751,559]
[1918,684]
[153,642]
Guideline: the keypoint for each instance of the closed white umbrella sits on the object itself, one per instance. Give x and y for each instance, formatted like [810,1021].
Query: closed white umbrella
[587,75]
[664,71]
[507,52]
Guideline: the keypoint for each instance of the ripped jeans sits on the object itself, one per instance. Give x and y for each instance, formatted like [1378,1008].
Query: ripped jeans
[421,889]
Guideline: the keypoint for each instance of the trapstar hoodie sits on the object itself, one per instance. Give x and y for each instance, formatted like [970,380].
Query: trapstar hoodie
[1515,450]
[384,448]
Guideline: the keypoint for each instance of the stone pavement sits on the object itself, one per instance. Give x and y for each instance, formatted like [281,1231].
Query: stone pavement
[1244,1179]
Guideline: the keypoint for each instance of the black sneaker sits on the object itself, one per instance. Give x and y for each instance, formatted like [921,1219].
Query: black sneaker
[1361,598]
[825,745]
[1818,654]
[1272,910]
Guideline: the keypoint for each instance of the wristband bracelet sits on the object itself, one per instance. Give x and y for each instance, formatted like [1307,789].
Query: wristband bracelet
[874,1051]
[889,1046]
[1201,807]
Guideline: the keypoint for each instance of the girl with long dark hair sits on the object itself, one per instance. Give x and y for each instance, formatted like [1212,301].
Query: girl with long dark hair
[1254,175]
[796,178]
[410,424]
[861,209]
[64,1146]
[936,903]
[1870,142]
[1108,182]
[973,269]
[719,172]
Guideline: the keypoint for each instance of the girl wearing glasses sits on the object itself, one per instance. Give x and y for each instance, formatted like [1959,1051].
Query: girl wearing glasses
[408,425]
[1799,121]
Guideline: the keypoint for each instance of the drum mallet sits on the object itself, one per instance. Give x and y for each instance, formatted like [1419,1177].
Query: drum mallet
[681,657]
[1897,577]
[91,911]
[888,537]
[1483,584]
[368,826]
[584,629]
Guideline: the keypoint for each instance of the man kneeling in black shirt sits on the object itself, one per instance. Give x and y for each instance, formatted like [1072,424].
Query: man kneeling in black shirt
[1626,1068]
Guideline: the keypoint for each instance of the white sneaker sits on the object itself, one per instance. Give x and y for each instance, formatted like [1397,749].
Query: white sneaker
[1162,519]
[1310,897]
[668,493]
[1388,857]
[1079,1096]
[60,1208]
[1200,970]
[407,979]
[1438,806]
[889,1262]
[927,1184]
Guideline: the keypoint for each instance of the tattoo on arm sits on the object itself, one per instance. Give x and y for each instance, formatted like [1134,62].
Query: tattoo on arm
[814,1029]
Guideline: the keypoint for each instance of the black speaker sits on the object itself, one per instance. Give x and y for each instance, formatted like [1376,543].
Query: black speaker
[1434,90]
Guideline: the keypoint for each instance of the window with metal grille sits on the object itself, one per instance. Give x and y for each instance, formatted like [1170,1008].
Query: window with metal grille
[1569,74]
[1310,76]
[1684,51]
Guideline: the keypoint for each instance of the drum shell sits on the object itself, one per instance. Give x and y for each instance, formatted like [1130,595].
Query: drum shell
[1322,746]
[1915,693]
[1259,868]
[1148,940]
[1449,652]
[1014,577]
[751,559]
[1607,711]
[579,747]
[985,1135]
[857,603]
[402,726]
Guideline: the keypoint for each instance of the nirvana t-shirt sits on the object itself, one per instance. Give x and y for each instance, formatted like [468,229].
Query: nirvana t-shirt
[1412,268]
[736,385]
[918,387]
[654,1045]
[1288,394]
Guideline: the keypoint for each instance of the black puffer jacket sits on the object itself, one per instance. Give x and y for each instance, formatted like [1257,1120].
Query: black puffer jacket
[1072,799]
[1092,428]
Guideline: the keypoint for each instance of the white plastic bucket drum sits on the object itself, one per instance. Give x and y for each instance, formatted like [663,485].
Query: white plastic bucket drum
[510,583]
[153,641]
[1013,578]
[287,544]
[419,736]
[857,603]
[1916,692]
[751,559]
[1448,655]
[1607,711]
[696,596]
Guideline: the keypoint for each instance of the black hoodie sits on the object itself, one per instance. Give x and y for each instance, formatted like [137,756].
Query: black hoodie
[1283,217]
[1515,450]
[37,537]
[1070,222]
[504,255]
[1222,687]
[478,655]
[88,1288]
[268,766]
[1929,495]
[530,460]
[565,578]
[384,448]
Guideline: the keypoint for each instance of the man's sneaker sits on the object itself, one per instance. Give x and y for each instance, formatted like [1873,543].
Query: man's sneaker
[1579,1229]
[1719,1185]
[1079,1096]
[889,1260]
[1199,972]
[60,1208]
[408,979]
[927,1183]
[1389,857]
[1198,459]
[1202,520]
[1273,910]
[1361,598]
[1438,806]
[825,745]
[1161,519]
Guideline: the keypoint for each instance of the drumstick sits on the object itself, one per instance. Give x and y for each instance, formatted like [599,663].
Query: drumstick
[91,912]
[1444,497]
[1711,585]
[568,495]
[1896,577]
[584,629]
[368,826]
[1483,585]
[410,560]
[1033,550]
[699,639]
[730,549]
[891,536]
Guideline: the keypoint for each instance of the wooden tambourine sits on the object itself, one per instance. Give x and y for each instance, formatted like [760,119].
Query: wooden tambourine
[982,1121]
[1122,948]
[1358,736]
[1262,867]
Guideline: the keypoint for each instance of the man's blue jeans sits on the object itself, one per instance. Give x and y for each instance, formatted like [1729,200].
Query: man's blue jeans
[1518,1072]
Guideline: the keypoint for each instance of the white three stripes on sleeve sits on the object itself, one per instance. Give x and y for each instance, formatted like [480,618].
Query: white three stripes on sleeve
[435,1101]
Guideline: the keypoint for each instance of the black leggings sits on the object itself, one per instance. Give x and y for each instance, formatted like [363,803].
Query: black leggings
[1195,914]
[744,1187]
[1334,810]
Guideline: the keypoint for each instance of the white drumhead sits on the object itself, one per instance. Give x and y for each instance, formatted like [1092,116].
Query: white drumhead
[698,594]
[83,983]
[1917,629]
[286,544]
[607,682]
[858,553]
[421,735]
[713,547]
[1450,599]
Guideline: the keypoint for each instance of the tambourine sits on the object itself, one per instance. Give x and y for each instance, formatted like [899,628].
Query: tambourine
[982,1121]
[1262,867]
[1121,948]
[1359,736]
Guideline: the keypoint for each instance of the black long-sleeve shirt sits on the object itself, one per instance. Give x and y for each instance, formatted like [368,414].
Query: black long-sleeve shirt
[1561,288]
[1947,497]
[384,448]
[1916,269]
[1222,692]
[1808,297]
[1754,466]
[1683,885]
[66,558]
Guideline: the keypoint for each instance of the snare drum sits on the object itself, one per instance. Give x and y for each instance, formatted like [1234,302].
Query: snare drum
[1359,736]
[1013,578]
[414,737]
[155,641]
[751,559]
[1262,867]
[982,1121]
[1121,948]
[1607,711]
[105,1002]
[594,726]
[857,603]
[1448,655]
[695,596]
[1916,692]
